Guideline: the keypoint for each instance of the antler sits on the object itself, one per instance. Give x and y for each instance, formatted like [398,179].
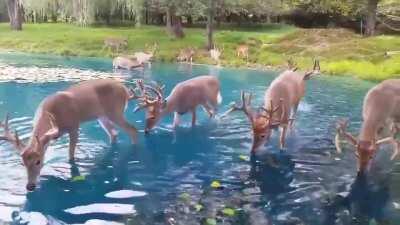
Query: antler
[9,136]
[391,139]
[270,112]
[146,99]
[139,87]
[341,127]
[316,70]
[245,106]
[292,65]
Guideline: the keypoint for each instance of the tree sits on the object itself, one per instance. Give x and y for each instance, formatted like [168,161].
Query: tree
[372,6]
[15,13]
[210,24]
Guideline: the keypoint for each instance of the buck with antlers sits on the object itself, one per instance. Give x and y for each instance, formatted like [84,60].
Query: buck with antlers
[381,110]
[146,57]
[62,112]
[280,106]
[185,97]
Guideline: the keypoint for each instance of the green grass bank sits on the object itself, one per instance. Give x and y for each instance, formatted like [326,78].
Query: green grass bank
[341,52]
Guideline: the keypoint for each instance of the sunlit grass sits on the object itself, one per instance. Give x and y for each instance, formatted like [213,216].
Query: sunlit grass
[340,51]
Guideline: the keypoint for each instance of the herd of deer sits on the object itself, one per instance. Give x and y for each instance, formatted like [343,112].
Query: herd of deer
[139,59]
[107,99]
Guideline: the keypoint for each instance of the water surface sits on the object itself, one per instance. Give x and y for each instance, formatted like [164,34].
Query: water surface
[167,175]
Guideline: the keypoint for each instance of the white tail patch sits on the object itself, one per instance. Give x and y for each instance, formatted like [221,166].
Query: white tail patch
[219,98]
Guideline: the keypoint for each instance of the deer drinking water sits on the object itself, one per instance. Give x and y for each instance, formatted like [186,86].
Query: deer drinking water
[281,100]
[185,97]
[381,110]
[62,112]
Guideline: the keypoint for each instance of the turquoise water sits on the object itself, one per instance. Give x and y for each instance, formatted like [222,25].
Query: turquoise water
[308,183]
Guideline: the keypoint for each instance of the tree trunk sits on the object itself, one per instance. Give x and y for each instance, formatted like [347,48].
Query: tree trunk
[174,23]
[189,20]
[210,21]
[168,19]
[371,17]
[14,8]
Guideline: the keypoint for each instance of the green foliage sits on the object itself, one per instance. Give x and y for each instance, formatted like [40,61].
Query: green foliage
[340,51]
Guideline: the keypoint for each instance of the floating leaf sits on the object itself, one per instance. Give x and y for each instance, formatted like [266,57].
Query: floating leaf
[78,178]
[244,158]
[211,221]
[198,207]
[216,184]
[184,197]
[228,212]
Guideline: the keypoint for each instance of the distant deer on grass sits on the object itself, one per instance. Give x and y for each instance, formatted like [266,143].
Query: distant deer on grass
[380,112]
[242,51]
[281,101]
[115,44]
[62,112]
[215,54]
[186,55]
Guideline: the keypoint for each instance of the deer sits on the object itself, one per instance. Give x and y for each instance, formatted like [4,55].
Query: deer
[380,113]
[215,54]
[243,51]
[146,57]
[115,43]
[62,113]
[126,62]
[185,97]
[280,106]
[186,55]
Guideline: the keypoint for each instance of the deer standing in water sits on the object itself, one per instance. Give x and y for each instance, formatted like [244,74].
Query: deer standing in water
[381,110]
[115,43]
[146,57]
[185,97]
[62,112]
[281,100]
[126,62]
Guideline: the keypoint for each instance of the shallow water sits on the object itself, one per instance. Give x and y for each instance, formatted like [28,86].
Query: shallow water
[166,176]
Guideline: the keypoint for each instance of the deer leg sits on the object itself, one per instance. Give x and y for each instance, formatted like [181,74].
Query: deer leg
[73,140]
[194,117]
[176,120]
[121,122]
[293,116]
[206,107]
[283,136]
[109,128]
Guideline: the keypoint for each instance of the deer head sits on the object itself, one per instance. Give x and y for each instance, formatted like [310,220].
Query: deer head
[364,149]
[153,104]
[33,153]
[316,69]
[261,120]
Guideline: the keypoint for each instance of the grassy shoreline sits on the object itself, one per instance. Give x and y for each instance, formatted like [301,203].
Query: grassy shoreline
[340,51]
